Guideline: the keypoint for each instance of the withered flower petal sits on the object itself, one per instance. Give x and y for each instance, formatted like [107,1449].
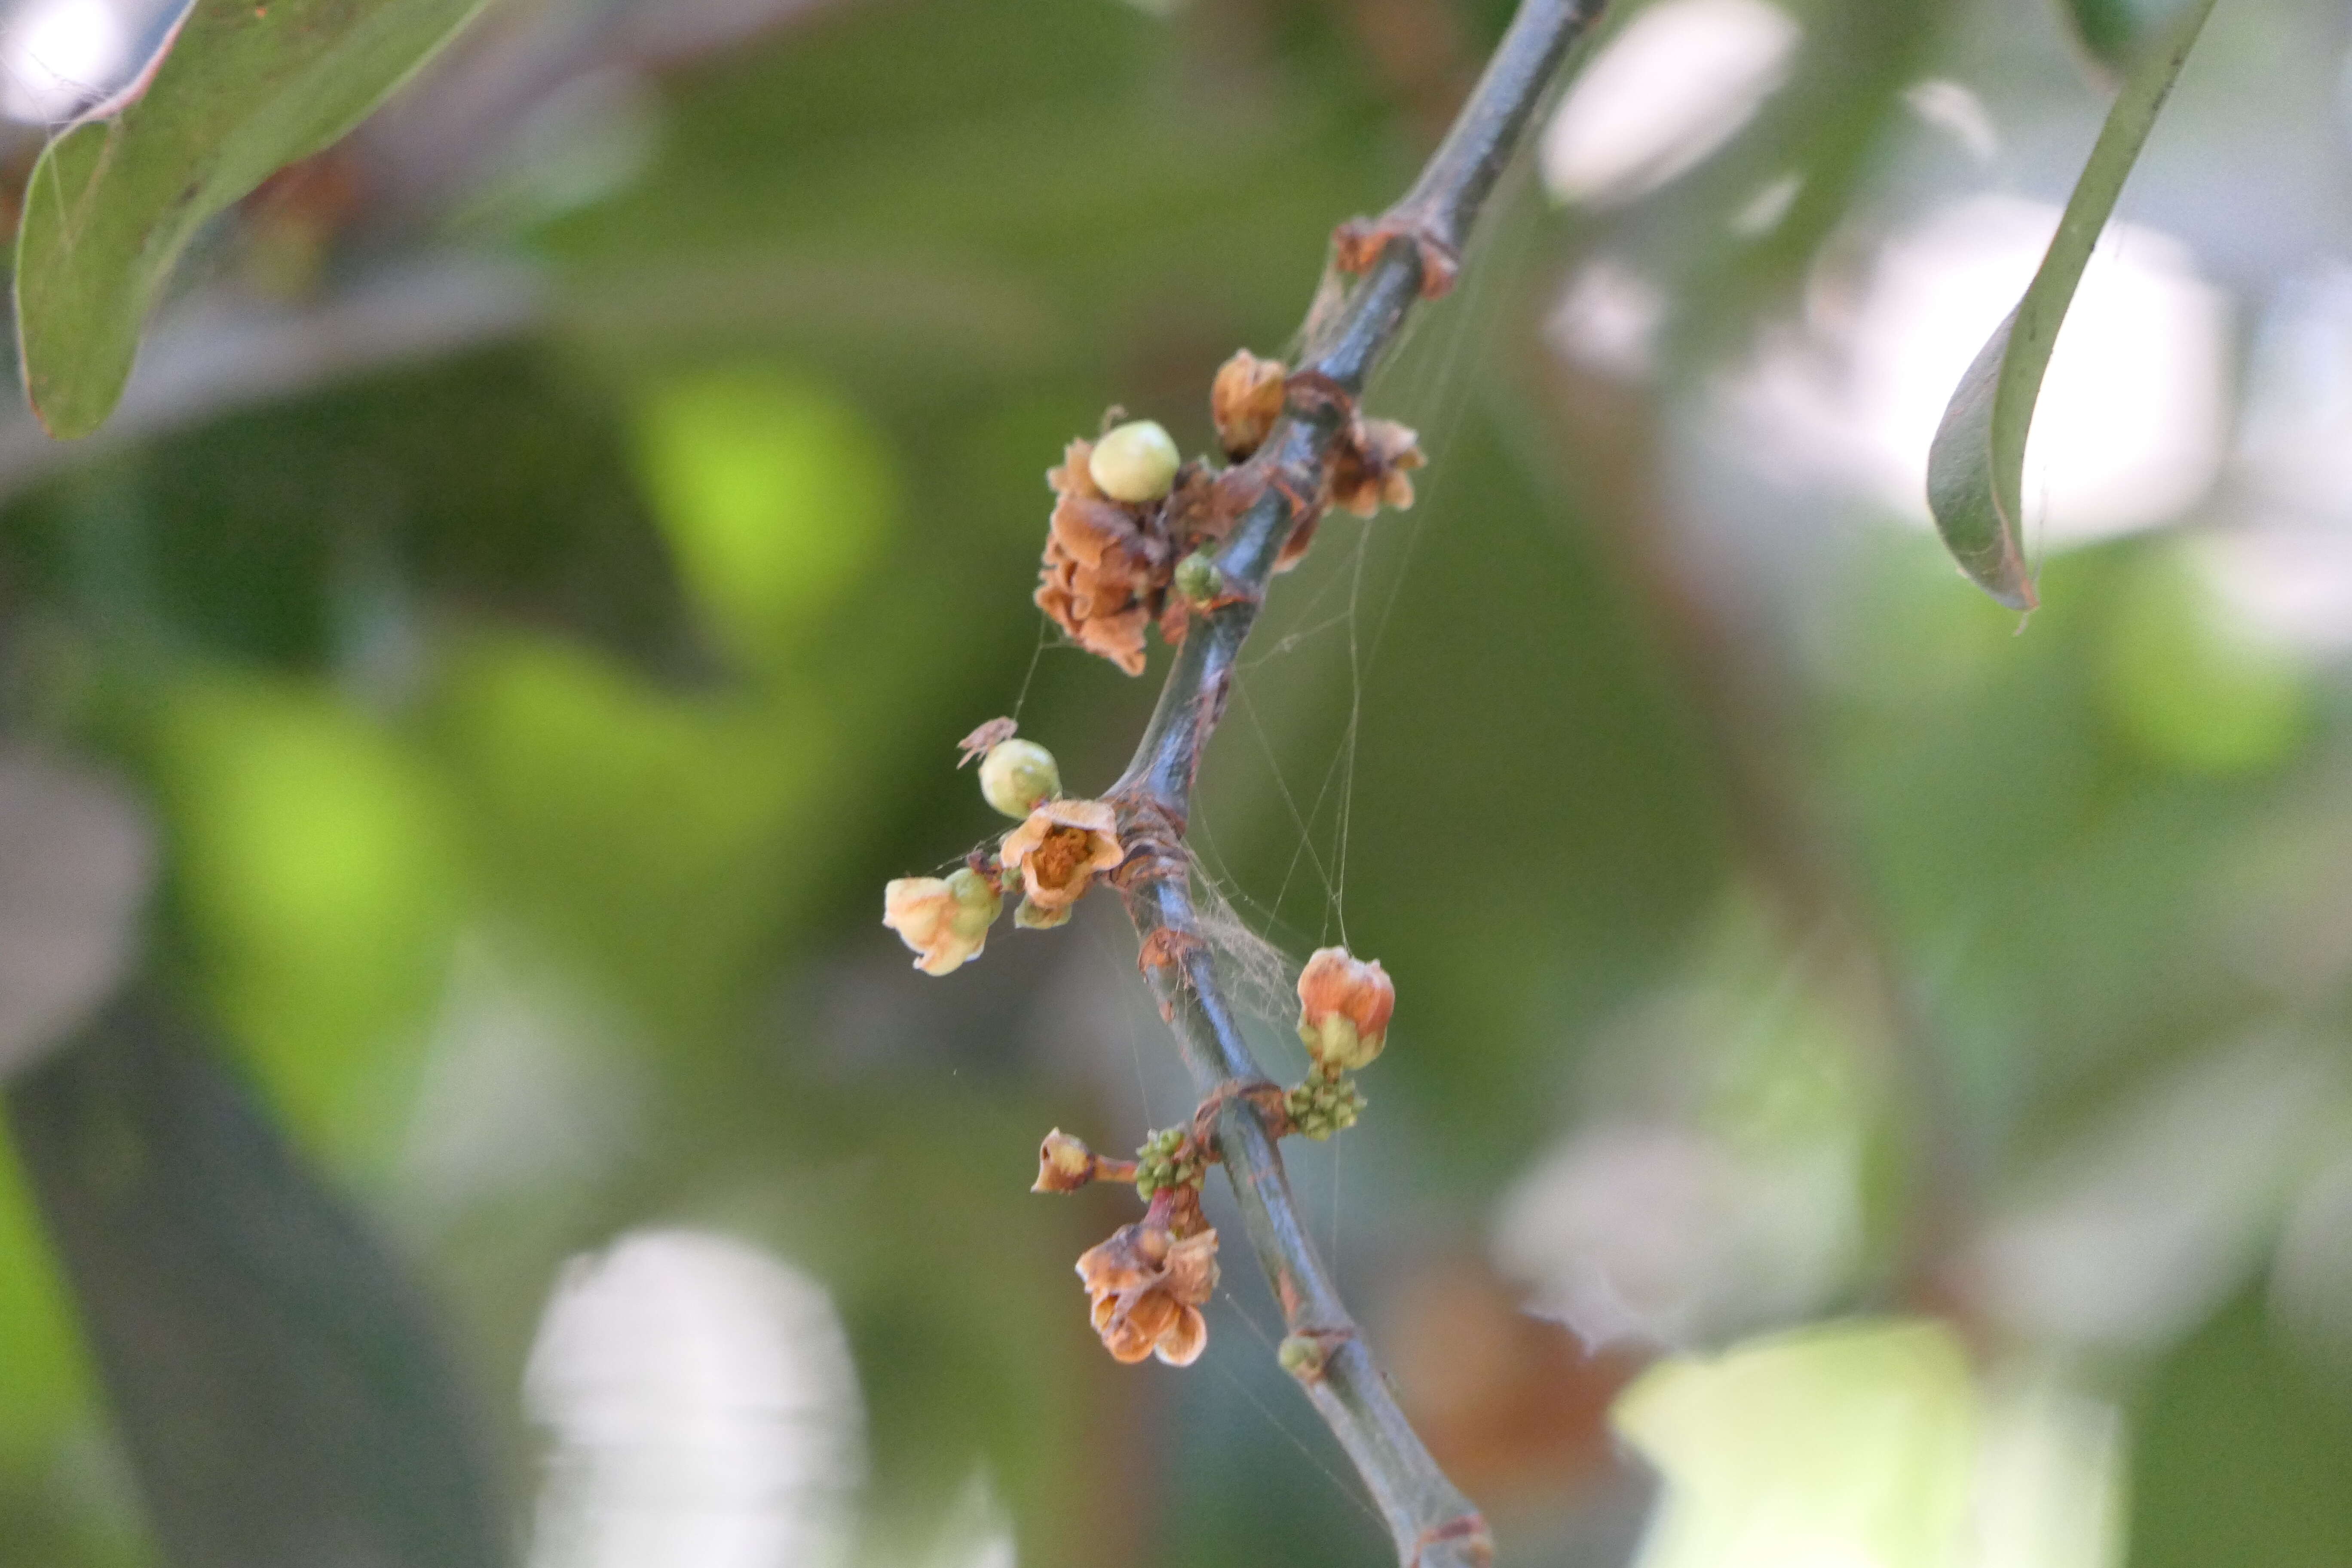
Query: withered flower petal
[1063,1163]
[1147,1291]
[1106,566]
[1370,464]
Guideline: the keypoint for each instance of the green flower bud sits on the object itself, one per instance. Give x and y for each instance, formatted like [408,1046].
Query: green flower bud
[1197,579]
[1135,462]
[977,904]
[1301,1357]
[1016,775]
[1029,916]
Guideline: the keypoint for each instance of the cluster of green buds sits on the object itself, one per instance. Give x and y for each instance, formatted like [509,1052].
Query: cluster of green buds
[1323,1104]
[1053,857]
[1169,1158]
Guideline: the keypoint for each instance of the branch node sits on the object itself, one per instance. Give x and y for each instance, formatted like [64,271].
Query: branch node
[1469,1530]
[1153,832]
[1166,948]
[1359,244]
[1263,1093]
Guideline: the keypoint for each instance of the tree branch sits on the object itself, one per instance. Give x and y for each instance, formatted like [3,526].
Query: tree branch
[1418,242]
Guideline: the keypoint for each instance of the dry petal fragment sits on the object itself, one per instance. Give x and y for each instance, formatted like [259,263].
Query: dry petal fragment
[980,741]
[1246,400]
[1370,466]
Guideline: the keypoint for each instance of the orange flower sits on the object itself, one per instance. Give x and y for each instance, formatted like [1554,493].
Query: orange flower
[1246,400]
[944,919]
[1370,465]
[1058,852]
[1147,1290]
[1343,1008]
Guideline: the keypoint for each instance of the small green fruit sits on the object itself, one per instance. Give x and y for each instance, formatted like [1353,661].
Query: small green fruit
[1137,462]
[1197,579]
[1016,775]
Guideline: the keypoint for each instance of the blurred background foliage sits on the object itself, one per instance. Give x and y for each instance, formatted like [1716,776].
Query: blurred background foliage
[553,540]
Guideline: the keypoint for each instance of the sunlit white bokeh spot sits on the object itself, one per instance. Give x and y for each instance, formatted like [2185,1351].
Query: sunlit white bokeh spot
[2295,437]
[1956,113]
[1608,319]
[703,1407]
[59,56]
[2130,429]
[1676,84]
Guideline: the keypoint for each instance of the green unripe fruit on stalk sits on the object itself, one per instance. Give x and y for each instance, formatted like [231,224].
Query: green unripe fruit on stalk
[1016,775]
[1135,462]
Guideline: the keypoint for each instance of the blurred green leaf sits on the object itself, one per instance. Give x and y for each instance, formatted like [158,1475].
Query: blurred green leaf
[772,494]
[1976,470]
[316,867]
[2242,1452]
[43,1378]
[2194,686]
[242,88]
[648,835]
[278,1382]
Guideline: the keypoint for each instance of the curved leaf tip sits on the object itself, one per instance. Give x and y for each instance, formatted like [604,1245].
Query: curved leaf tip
[1975,467]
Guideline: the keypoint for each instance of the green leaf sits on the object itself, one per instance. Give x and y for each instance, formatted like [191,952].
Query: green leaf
[1976,470]
[279,1380]
[241,89]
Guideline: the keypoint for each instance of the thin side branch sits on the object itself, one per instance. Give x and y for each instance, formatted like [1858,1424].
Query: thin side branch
[1408,254]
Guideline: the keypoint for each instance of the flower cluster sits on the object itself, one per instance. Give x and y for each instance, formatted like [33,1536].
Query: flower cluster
[1344,1004]
[1053,857]
[1107,561]
[1127,511]
[1148,1282]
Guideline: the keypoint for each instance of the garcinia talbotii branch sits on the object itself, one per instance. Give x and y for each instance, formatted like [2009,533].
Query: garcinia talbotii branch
[1410,253]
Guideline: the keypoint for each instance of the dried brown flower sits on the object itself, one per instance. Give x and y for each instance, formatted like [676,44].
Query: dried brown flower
[1246,400]
[1370,465]
[1148,1288]
[1107,564]
[1058,852]
[1064,1164]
